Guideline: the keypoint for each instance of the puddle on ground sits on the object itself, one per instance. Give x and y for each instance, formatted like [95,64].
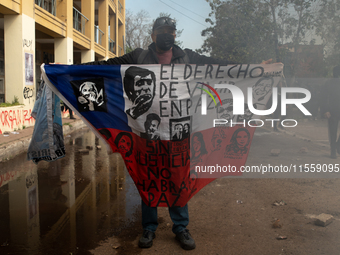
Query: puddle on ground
[67,206]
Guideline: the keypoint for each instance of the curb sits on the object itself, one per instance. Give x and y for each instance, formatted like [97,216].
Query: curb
[11,149]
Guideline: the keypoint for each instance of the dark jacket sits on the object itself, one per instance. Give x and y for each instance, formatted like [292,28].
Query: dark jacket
[178,57]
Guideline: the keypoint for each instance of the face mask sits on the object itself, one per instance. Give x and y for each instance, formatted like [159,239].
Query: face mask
[165,41]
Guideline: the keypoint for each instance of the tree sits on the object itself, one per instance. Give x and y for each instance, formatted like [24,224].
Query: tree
[242,31]
[298,26]
[137,30]
[327,27]
[249,31]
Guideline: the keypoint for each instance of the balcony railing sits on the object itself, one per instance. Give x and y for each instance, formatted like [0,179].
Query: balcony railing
[111,45]
[120,7]
[113,4]
[79,21]
[120,51]
[48,5]
[98,35]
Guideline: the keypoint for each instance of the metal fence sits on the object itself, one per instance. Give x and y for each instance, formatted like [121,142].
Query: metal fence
[98,35]
[113,4]
[48,5]
[120,7]
[111,45]
[79,21]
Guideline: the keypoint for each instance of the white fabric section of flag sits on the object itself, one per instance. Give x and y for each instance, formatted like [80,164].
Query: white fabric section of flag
[173,93]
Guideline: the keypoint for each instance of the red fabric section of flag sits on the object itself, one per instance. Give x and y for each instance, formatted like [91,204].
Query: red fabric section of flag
[170,173]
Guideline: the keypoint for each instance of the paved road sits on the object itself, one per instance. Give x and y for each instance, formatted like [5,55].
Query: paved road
[220,225]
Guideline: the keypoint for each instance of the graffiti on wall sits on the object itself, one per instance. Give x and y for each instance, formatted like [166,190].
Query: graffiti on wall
[16,117]
[28,93]
[27,43]
[7,177]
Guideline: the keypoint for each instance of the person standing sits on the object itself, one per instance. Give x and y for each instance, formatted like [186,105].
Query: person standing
[330,108]
[164,51]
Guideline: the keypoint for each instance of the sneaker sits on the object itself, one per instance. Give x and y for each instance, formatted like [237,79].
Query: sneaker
[146,239]
[187,242]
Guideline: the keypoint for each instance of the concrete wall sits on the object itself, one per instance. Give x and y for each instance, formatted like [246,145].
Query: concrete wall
[15,118]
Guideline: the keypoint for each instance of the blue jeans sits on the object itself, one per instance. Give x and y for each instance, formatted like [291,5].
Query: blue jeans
[178,215]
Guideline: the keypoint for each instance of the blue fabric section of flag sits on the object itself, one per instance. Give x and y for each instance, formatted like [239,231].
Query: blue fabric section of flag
[115,117]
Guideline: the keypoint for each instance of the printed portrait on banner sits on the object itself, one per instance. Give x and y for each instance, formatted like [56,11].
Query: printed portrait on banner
[90,94]
[139,86]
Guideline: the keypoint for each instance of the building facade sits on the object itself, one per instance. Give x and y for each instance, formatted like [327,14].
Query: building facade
[33,32]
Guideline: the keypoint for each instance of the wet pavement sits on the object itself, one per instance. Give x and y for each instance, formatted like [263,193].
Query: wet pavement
[67,206]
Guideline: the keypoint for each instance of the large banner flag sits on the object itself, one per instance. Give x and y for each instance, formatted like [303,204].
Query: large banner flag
[177,127]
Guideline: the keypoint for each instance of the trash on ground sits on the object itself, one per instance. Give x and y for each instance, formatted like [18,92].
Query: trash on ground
[303,150]
[277,224]
[279,203]
[275,152]
[281,237]
[83,151]
[239,201]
